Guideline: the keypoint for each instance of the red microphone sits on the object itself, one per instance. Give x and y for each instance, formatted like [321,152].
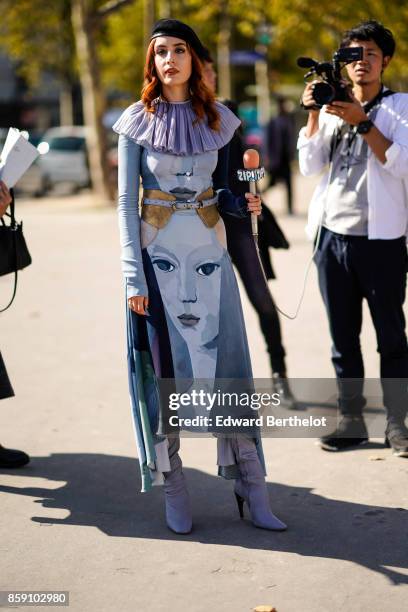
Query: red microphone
[251,174]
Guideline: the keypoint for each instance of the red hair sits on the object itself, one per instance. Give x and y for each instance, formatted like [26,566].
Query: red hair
[202,98]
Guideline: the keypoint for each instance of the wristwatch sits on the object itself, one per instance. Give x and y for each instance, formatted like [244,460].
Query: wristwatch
[364,126]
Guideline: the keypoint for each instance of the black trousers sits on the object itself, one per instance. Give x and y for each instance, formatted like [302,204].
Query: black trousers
[241,248]
[350,269]
[284,174]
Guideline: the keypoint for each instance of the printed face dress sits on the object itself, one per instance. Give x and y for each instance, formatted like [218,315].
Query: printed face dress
[175,253]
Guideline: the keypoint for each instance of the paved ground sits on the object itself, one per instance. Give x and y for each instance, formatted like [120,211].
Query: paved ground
[75,520]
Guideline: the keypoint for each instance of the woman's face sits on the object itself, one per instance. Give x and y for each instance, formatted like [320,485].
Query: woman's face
[172,60]
[187,265]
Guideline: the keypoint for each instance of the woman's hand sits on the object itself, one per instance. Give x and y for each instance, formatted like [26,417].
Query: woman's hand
[139,304]
[5,198]
[254,203]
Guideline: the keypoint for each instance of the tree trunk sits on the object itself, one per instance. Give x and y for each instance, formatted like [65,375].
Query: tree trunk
[223,52]
[149,16]
[262,90]
[65,104]
[94,102]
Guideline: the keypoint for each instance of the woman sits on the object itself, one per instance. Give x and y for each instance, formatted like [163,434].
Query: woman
[184,316]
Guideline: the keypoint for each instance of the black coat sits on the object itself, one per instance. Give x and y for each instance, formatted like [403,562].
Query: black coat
[270,234]
[6,390]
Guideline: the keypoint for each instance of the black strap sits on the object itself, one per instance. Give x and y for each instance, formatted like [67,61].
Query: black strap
[12,209]
[334,142]
[336,137]
[381,94]
[14,292]
[12,225]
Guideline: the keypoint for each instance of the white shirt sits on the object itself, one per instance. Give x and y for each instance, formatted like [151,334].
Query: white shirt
[387,184]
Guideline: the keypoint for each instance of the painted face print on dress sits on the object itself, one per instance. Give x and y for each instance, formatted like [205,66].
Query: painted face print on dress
[184,177]
[187,266]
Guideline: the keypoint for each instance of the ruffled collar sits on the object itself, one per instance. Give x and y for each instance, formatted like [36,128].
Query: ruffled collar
[173,128]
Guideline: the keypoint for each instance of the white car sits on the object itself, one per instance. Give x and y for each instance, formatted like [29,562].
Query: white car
[64,158]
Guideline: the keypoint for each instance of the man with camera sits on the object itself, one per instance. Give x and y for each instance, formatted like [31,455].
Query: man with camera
[361,138]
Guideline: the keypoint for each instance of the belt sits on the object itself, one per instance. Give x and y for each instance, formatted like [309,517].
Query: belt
[161,198]
[345,237]
[158,207]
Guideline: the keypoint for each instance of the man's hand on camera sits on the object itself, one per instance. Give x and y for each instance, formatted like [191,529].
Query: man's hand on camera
[351,112]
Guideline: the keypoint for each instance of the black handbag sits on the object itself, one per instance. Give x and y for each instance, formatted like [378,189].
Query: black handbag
[14,254]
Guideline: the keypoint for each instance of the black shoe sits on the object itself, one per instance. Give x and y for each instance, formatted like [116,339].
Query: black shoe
[10,458]
[280,385]
[350,433]
[396,437]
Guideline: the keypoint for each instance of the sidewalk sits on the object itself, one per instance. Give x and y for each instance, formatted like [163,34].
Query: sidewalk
[74,518]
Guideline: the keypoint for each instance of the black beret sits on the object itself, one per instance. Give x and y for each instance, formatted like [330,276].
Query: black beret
[178,29]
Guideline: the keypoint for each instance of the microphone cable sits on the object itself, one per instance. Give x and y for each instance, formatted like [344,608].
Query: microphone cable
[292,317]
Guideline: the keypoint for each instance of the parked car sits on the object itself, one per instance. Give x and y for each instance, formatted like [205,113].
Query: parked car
[65,158]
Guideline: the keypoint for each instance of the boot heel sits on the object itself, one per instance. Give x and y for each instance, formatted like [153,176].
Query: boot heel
[387,442]
[252,487]
[240,503]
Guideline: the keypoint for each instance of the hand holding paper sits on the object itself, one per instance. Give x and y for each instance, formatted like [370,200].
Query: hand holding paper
[17,156]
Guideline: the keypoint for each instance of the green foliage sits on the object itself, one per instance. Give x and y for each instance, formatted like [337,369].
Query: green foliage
[307,28]
[38,35]
[121,50]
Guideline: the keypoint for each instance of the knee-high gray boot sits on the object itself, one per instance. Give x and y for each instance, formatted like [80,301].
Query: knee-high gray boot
[251,486]
[177,500]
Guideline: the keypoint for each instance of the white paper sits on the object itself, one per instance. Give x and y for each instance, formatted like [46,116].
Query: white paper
[16,157]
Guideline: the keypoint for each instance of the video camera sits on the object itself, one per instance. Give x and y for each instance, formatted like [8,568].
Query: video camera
[330,88]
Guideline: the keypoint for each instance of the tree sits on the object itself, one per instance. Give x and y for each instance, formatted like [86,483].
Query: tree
[39,37]
[122,50]
[306,29]
[111,36]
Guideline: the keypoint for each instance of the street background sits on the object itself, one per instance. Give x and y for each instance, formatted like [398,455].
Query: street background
[74,519]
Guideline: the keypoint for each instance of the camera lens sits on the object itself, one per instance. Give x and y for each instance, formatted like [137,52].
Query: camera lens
[323,93]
